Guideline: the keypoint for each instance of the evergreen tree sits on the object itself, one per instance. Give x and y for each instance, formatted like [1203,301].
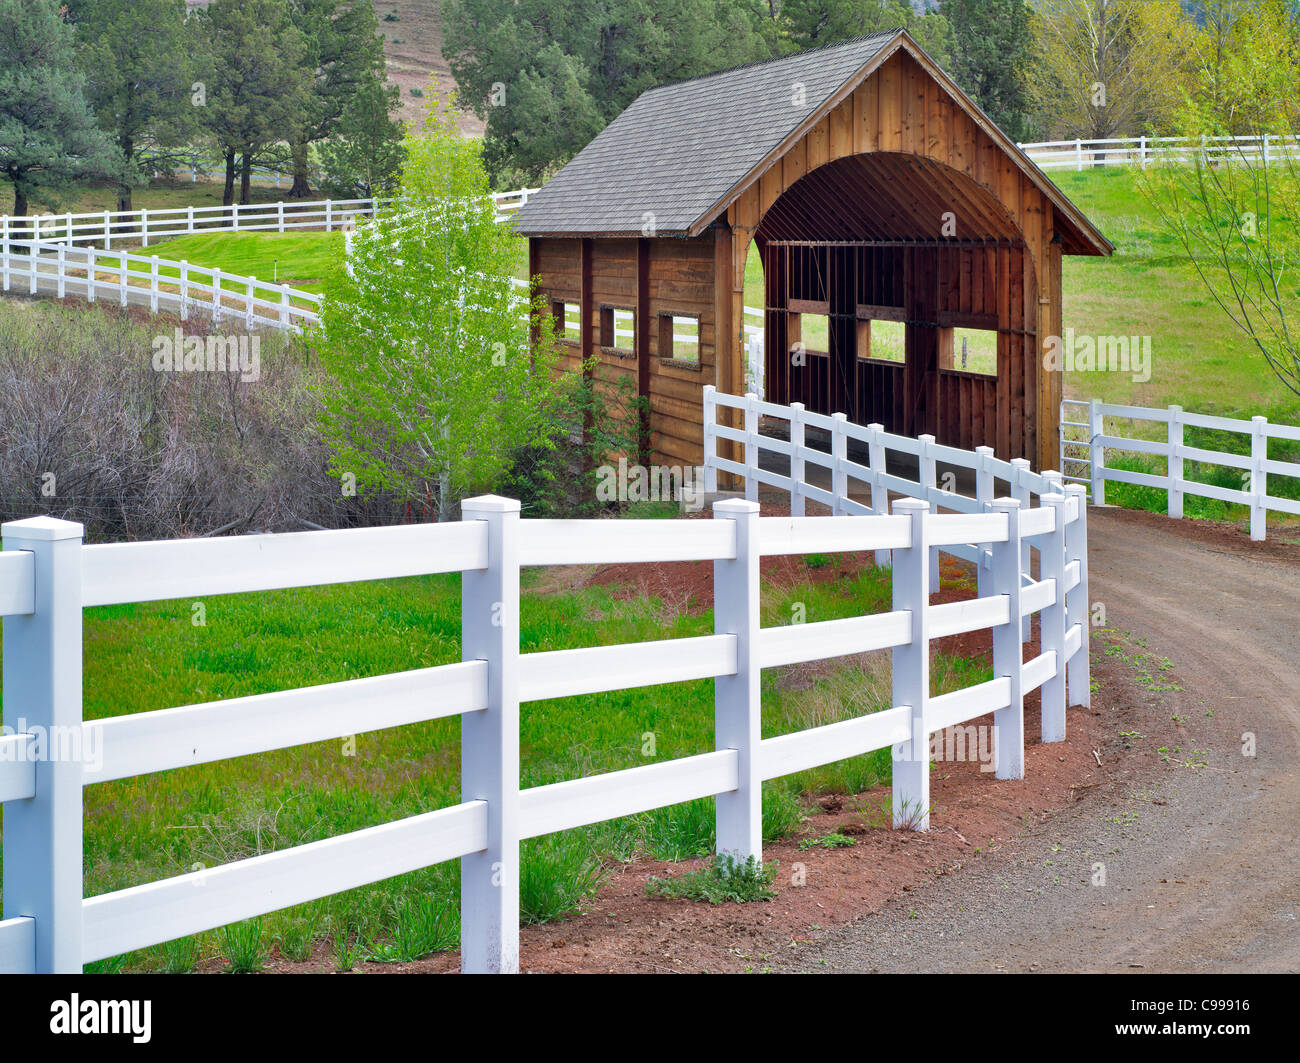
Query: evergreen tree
[364,156]
[137,56]
[48,137]
[548,74]
[813,23]
[993,54]
[258,85]
[343,58]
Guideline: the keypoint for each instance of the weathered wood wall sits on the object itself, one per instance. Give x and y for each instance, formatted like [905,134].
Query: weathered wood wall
[900,109]
[651,278]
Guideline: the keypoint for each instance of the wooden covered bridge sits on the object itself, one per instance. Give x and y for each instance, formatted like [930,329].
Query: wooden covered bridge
[874,189]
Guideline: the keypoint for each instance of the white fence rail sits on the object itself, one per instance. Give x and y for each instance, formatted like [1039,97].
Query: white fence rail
[103,227]
[1142,151]
[163,285]
[48,577]
[1091,441]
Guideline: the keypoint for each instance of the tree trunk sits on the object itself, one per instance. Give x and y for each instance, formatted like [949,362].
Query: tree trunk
[301,188]
[228,193]
[20,199]
[245,177]
[124,189]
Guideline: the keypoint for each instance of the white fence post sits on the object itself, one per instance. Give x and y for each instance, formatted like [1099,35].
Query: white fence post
[61,277]
[90,273]
[839,455]
[1078,156]
[121,278]
[144,227]
[737,710]
[911,667]
[1175,466]
[35,262]
[108,231]
[1008,650]
[42,696]
[279,216]
[286,308]
[153,284]
[1051,621]
[751,446]
[189,219]
[1258,478]
[926,470]
[248,302]
[1020,492]
[879,493]
[1143,156]
[4,249]
[796,459]
[329,215]
[185,290]
[984,490]
[216,296]
[489,932]
[710,438]
[68,222]
[1078,608]
[234,214]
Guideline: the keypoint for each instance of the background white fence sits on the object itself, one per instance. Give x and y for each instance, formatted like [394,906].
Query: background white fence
[160,284]
[1141,151]
[1084,445]
[103,227]
[48,577]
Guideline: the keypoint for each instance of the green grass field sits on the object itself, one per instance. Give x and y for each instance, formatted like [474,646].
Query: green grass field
[300,259]
[151,656]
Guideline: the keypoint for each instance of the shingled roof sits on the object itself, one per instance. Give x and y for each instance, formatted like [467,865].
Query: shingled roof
[682,152]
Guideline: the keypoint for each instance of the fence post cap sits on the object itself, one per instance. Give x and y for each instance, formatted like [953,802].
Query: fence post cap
[876,427]
[910,505]
[709,387]
[42,529]
[1020,463]
[735,507]
[490,504]
[925,438]
[1053,499]
[839,417]
[1005,503]
[1075,489]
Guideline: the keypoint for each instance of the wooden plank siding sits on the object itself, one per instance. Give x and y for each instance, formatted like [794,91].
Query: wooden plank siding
[1011,283]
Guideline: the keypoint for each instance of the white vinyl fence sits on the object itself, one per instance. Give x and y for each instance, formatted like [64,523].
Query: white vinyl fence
[48,577]
[103,227]
[1084,445]
[1142,151]
[65,270]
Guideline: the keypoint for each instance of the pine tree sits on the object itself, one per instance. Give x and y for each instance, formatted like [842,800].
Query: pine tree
[364,155]
[992,58]
[48,138]
[137,56]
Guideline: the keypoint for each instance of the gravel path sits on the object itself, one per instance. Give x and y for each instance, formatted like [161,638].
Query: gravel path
[1200,855]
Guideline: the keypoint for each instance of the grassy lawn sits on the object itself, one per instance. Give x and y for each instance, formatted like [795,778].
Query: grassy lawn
[300,259]
[140,658]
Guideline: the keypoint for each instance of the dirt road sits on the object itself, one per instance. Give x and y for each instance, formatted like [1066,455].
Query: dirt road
[1199,854]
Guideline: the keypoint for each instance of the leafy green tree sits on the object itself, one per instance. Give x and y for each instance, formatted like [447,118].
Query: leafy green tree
[48,138]
[343,58]
[1244,58]
[426,339]
[137,56]
[993,57]
[547,75]
[1108,67]
[259,83]
[364,155]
